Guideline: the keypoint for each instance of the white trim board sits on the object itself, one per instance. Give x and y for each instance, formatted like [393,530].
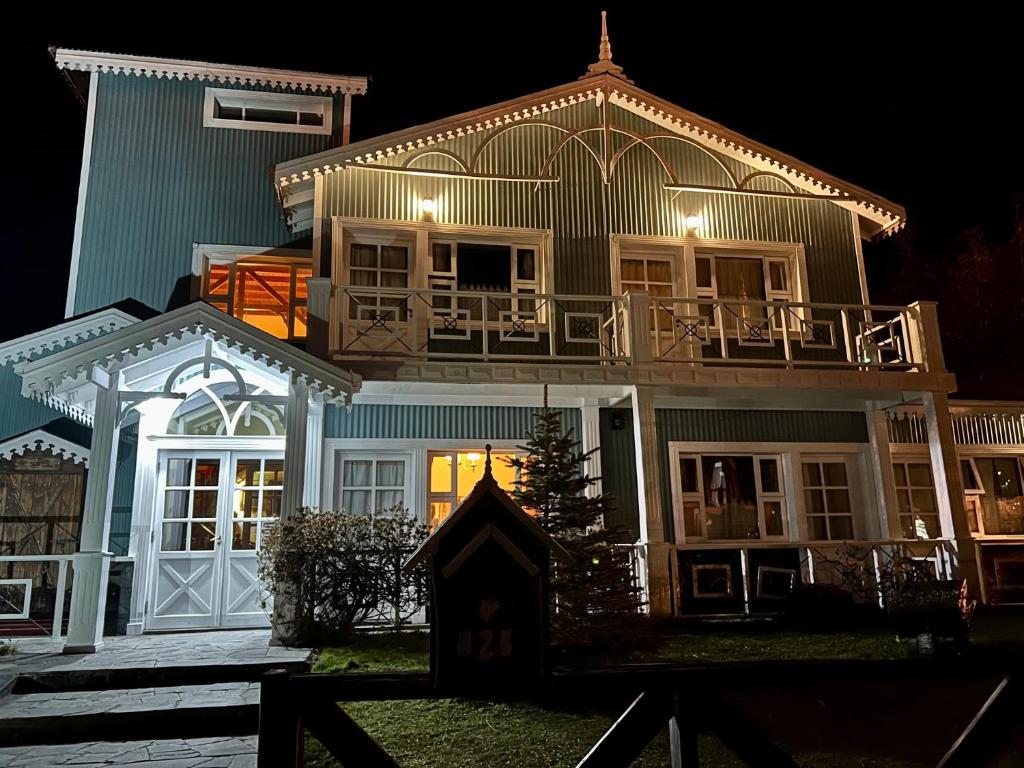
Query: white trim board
[65,334]
[83,191]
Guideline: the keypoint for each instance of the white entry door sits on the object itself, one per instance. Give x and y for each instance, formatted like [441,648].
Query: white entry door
[212,510]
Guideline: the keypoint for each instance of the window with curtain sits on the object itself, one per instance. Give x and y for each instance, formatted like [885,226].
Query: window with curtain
[512,269]
[269,293]
[380,266]
[370,485]
[652,273]
[730,497]
[915,499]
[452,475]
[996,483]
[743,278]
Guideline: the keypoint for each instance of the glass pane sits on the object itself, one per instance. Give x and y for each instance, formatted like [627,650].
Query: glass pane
[173,537]
[273,472]
[770,476]
[838,501]
[179,472]
[812,473]
[247,472]
[363,278]
[923,501]
[204,504]
[202,536]
[247,504]
[363,255]
[739,278]
[207,472]
[526,264]
[814,501]
[778,275]
[907,528]
[632,271]
[730,497]
[816,528]
[357,473]
[175,504]
[356,502]
[388,499]
[773,525]
[1007,483]
[920,475]
[691,518]
[442,257]
[903,501]
[659,271]
[900,471]
[243,536]
[688,475]
[439,510]
[840,527]
[271,504]
[441,474]
[703,272]
[967,473]
[390,473]
[926,526]
[394,280]
[394,257]
[835,473]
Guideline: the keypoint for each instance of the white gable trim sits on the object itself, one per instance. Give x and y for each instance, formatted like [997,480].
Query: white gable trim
[83,191]
[64,335]
[174,69]
[41,440]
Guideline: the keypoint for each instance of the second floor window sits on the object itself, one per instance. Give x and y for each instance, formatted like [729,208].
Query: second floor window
[269,293]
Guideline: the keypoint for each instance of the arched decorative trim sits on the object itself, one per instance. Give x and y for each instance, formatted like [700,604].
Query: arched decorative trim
[638,139]
[501,130]
[751,176]
[442,152]
[569,136]
[208,361]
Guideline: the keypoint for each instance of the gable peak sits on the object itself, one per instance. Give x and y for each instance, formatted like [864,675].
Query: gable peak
[604,64]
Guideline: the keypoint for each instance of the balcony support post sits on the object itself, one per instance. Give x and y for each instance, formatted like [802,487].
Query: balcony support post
[885,478]
[318,306]
[924,336]
[640,327]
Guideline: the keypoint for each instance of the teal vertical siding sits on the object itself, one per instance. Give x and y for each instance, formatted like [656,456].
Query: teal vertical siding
[582,211]
[437,422]
[159,182]
[618,458]
[19,414]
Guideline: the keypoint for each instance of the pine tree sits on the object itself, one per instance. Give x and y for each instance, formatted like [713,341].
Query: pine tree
[596,599]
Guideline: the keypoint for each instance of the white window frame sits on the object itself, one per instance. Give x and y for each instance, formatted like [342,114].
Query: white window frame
[906,458]
[820,459]
[337,476]
[453,495]
[285,102]
[681,498]
[972,497]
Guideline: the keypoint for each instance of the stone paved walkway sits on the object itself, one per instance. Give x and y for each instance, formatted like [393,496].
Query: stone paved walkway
[246,646]
[128,700]
[220,752]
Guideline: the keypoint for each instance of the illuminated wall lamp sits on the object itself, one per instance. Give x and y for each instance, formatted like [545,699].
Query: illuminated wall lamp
[694,223]
[427,208]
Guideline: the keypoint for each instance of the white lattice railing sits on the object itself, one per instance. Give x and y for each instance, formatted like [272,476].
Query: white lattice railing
[973,424]
[33,591]
[634,329]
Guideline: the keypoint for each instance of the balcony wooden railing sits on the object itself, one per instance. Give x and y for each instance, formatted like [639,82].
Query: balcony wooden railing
[635,329]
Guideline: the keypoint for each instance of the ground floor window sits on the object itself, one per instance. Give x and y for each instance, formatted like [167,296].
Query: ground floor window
[451,476]
[915,499]
[371,484]
[994,490]
[730,496]
[827,499]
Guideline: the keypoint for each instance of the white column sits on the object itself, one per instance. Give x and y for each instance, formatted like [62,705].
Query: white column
[152,418]
[949,491]
[591,439]
[885,480]
[92,563]
[658,552]
[296,424]
[314,455]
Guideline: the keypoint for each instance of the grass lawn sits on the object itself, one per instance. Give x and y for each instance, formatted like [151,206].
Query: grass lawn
[453,733]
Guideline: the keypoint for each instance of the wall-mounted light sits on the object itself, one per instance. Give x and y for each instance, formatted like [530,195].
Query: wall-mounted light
[694,223]
[427,208]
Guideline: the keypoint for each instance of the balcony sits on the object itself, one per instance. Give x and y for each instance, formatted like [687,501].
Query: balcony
[407,326]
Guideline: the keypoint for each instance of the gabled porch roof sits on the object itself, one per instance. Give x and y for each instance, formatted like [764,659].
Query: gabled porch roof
[141,357]
[878,214]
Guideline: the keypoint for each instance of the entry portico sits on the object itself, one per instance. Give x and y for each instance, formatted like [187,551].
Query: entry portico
[225,446]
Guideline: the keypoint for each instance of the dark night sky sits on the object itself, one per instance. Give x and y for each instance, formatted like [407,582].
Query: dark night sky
[922,111]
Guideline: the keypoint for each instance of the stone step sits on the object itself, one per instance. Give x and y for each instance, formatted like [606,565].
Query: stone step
[217,752]
[188,711]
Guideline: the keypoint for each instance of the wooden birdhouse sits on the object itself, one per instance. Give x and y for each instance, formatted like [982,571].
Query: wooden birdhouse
[489,567]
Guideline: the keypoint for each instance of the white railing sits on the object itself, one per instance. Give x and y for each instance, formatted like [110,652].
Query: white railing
[480,325]
[973,424]
[33,591]
[861,566]
[634,329]
[783,333]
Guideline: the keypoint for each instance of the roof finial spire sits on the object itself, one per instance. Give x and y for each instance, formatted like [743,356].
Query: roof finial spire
[487,464]
[604,64]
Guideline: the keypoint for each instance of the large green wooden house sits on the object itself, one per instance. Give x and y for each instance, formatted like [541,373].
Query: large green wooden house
[263,315]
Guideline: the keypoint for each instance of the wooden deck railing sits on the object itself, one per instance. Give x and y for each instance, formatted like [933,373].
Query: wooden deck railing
[33,591]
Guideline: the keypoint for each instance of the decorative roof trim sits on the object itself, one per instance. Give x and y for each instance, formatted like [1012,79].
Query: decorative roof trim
[116,63]
[42,378]
[888,216]
[41,440]
[67,334]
